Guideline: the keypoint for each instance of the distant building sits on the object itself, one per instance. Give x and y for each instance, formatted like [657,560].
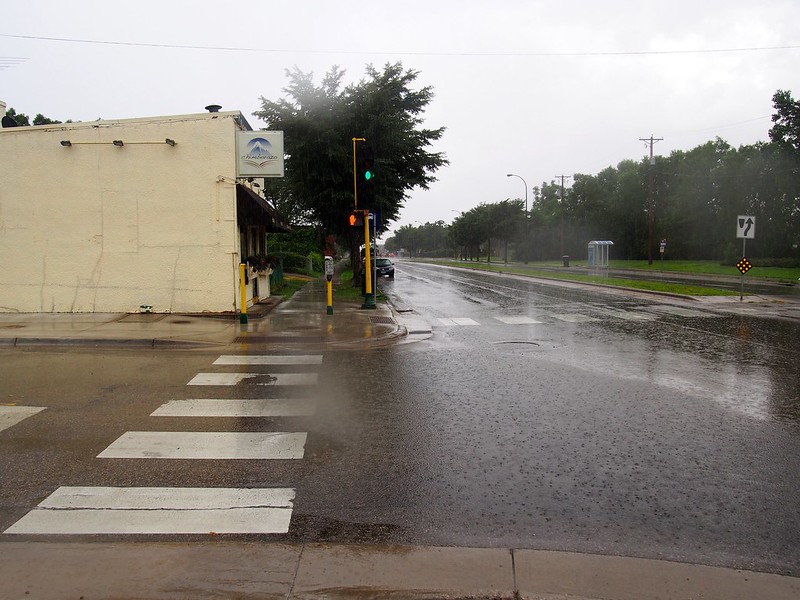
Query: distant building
[108,216]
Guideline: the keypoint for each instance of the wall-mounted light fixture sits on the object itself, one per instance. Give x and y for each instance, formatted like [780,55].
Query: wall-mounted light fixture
[117,143]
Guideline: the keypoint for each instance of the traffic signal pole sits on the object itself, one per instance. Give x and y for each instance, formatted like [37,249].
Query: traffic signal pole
[355,181]
[369,296]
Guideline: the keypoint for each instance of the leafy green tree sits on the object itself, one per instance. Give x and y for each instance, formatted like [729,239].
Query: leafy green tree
[786,129]
[23,119]
[507,218]
[20,118]
[40,119]
[319,123]
[467,233]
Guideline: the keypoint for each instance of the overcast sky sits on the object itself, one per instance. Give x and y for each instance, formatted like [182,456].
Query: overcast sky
[535,88]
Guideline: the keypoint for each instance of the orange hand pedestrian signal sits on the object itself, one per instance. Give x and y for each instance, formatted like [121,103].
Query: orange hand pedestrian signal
[356,219]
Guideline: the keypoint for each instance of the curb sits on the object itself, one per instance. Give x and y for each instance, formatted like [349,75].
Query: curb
[110,342]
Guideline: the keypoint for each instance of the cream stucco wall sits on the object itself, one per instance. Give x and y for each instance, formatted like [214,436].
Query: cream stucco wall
[100,228]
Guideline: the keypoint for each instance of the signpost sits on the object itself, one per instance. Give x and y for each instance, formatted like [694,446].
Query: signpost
[661,249]
[745,229]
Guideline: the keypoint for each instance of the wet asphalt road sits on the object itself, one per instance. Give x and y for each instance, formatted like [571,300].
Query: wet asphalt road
[675,437]
[670,436]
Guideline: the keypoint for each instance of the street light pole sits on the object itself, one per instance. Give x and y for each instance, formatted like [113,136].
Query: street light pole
[526,191]
[525,228]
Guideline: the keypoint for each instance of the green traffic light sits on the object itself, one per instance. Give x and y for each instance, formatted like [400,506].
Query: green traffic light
[367,175]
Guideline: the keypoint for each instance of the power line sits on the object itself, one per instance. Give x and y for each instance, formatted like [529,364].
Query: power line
[11,61]
[409,53]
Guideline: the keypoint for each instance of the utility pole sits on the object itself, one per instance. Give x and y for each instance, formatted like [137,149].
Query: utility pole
[561,204]
[650,142]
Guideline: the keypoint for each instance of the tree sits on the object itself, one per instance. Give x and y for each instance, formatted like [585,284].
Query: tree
[40,119]
[467,233]
[20,118]
[786,129]
[23,119]
[319,123]
[508,218]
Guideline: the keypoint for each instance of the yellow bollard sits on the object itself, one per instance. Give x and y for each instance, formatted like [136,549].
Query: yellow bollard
[243,288]
[329,277]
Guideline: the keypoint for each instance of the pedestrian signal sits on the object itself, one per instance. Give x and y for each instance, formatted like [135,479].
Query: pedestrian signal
[356,218]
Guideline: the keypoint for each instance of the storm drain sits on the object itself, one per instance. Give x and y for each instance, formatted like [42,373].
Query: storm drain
[381,320]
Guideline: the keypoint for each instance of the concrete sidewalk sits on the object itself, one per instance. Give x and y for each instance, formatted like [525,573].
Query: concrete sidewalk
[221,569]
[302,319]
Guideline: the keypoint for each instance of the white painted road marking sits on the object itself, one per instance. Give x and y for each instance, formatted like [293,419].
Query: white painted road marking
[237,359]
[626,315]
[207,445]
[11,415]
[458,321]
[574,318]
[108,510]
[677,311]
[268,379]
[243,407]
[517,320]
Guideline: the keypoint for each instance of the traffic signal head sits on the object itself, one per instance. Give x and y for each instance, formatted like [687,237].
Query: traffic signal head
[366,162]
[355,219]
[366,176]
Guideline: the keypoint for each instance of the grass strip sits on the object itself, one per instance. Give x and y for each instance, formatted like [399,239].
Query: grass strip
[653,286]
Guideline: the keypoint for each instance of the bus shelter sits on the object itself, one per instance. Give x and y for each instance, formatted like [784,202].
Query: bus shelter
[598,253]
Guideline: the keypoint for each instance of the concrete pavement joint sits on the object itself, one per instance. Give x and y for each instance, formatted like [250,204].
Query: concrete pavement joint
[514,575]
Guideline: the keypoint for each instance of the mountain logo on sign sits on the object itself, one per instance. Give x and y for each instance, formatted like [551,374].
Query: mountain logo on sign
[259,152]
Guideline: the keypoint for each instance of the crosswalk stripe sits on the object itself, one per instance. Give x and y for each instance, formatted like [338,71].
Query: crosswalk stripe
[574,318]
[243,407]
[188,498]
[678,311]
[517,320]
[254,379]
[240,359]
[164,510]
[109,510]
[11,415]
[627,315]
[458,321]
[207,445]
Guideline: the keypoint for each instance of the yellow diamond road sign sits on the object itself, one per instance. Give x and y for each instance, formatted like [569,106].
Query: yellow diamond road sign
[744,265]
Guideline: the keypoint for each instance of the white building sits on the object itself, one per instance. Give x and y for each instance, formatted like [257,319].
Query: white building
[108,216]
